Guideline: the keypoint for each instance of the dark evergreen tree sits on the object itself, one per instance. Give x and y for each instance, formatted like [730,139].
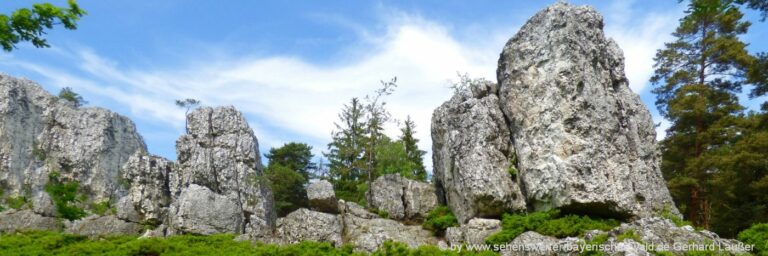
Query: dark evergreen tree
[696,79]
[295,156]
[346,151]
[288,173]
[412,151]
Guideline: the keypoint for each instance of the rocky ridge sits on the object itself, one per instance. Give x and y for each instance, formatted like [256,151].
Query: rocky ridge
[561,129]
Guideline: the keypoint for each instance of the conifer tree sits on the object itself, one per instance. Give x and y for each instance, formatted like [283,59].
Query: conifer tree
[412,151]
[345,152]
[696,78]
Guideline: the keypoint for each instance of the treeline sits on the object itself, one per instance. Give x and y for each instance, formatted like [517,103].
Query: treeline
[715,154]
[359,152]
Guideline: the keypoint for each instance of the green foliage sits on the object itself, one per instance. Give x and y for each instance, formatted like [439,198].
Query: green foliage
[382,213]
[392,157]
[102,208]
[591,248]
[51,243]
[288,172]
[412,151]
[667,214]
[758,236]
[16,202]
[629,234]
[287,187]
[67,94]
[697,78]
[29,25]
[550,223]
[439,219]
[65,197]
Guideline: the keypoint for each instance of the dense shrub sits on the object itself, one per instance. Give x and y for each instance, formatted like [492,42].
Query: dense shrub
[439,219]
[16,202]
[102,208]
[549,223]
[51,243]
[64,196]
[758,236]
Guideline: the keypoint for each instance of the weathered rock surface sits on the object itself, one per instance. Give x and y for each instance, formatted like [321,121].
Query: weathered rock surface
[562,120]
[401,198]
[304,224]
[353,209]
[149,195]
[474,232]
[322,197]
[198,210]
[531,243]
[369,234]
[472,152]
[659,231]
[41,134]
[584,141]
[100,226]
[13,220]
[220,152]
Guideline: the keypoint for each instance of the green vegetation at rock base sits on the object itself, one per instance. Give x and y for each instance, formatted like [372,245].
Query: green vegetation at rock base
[439,219]
[549,223]
[51,243]
[64,196]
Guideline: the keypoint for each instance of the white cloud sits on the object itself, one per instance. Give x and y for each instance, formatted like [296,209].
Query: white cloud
[298,97]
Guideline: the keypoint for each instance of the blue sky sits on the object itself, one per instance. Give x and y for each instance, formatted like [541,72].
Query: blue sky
[291,65]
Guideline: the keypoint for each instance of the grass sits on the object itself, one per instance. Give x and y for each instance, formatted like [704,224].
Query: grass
[16,202]
[102,208]
[549,223]
[52,243]
[439,219]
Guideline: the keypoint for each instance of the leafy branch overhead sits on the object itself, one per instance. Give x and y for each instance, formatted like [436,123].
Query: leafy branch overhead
[30,24]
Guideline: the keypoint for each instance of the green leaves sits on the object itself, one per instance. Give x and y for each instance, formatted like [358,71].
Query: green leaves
[29,25]
[549,223]
[439,219]
[65,197]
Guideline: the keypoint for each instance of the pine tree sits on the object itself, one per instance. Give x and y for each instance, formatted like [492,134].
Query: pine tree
[412,151]
[289,172]
[295,156]
[345,152]
[376,116]
[696,79]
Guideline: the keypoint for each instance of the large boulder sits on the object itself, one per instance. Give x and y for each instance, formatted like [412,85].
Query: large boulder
[368,234]
[202,211]
[306,225]
[322,197]
[220,152]
[401,198]
[41,134]
[561,130]
[13,220]
[472,152]
[101,226]
[473,233]
[584,141]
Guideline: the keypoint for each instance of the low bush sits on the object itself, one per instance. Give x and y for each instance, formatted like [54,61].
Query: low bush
[549,223]
[439,219]
[758,236]
[65,197]
[51,243]
[16,202]
[103,208]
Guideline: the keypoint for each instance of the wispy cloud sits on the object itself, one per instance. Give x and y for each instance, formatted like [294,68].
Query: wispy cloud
[289,95]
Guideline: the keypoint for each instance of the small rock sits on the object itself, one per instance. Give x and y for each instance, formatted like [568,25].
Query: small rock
[306,225]
[322,197]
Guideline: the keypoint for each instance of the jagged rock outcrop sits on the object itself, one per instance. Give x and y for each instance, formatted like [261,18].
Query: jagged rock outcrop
[584,141]
[198,210]
[562,120]
[149,194]
[220,153]
[41,134]
[472,149]
[402,198]
[322,197]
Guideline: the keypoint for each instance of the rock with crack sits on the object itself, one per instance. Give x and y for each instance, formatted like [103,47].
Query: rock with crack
[401,198]
[14,220]
[220,152]
[473,233]
[307,225]
[472,152]
[322,197]
[41,134]
[149,195]
[101,226]
[198,210]
[584,141]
